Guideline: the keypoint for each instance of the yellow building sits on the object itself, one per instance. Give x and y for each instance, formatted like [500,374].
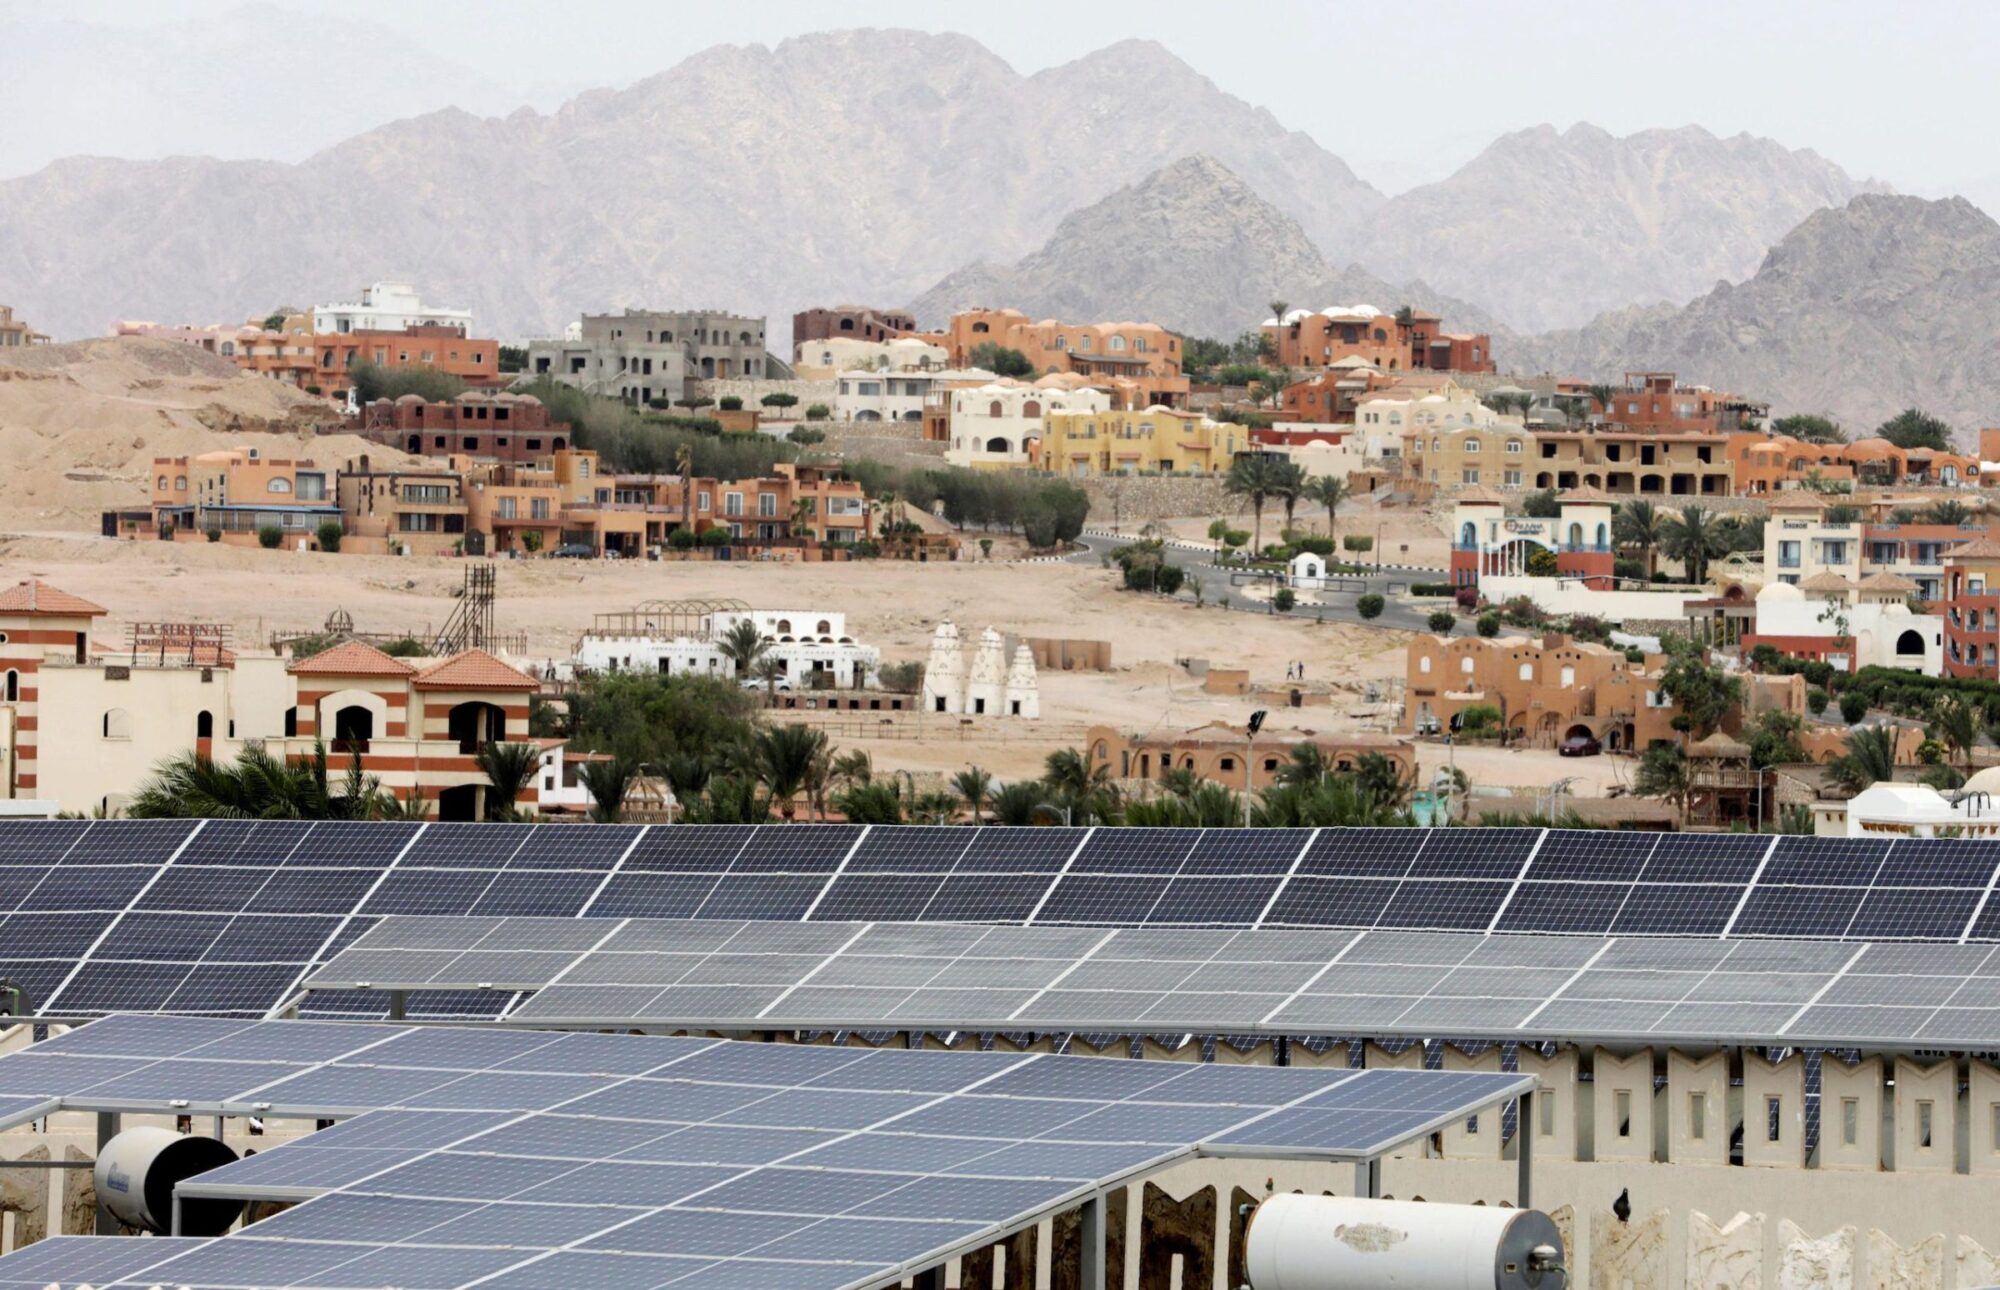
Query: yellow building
[1156,440]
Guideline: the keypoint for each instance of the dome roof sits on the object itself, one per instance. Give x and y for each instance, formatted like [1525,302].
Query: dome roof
[1780,591]
[1984,781]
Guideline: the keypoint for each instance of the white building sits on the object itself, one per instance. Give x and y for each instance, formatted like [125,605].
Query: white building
[804,642]
[1915,811]
[1452,407]
[388,306]
[819,358]
[1874,614]
[896,396]
[992,425]
[991,687]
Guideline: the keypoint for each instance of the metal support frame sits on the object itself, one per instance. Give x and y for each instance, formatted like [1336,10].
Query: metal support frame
[1090,1243]
[1524,1148]
[399,1004]
[1368,1178]
[107,1129]
[930,1278]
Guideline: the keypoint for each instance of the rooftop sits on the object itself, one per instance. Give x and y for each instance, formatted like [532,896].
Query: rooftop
[33,596]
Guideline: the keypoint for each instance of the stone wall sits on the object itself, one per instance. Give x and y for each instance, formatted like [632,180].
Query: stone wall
[889,442]
[808,392]
[1158,497]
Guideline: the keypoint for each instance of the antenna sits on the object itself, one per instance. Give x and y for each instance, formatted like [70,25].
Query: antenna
[471,623]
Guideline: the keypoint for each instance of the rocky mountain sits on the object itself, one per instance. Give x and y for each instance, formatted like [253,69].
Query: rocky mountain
[1549,228]
[1192,247]
[1856,313]
[858,164]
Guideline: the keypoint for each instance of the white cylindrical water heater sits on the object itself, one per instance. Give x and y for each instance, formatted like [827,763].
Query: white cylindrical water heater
[1299,1242]
[138,1170]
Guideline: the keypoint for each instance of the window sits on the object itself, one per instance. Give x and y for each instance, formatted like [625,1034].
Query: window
[1514,445]
[1850,1121]
[1512,478]
[180,483]
[1698,1116]
[1924,1116]
[732,503]
[429,494]
[1545,1106]
[1423,665]
[278,486]
[1622,1111]
[538,508]
[505,510]
[1527,671]
[1568,677]
[117,724]
[1465,665]
[1469,475]
[1774,1119]
[1472,443]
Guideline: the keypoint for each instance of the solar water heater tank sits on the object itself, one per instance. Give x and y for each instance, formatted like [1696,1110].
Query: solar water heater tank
[138,1170]
[1297,1242]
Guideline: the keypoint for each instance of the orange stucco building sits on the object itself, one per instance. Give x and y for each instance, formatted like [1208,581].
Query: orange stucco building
[1768,463]
[1413,342]
[1141,362]
[1224,754]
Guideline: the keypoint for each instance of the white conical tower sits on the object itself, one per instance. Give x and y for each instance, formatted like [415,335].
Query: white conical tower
[1024,696]
[987,686]
[944,671]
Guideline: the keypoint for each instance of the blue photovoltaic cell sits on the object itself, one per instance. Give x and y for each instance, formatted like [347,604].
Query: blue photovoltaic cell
[1236,852]
[921,849]
[1101,899]
[653,895]
[1135,851]
[596,849]
[147,842]
[693,848]
[796,848]
[1331,902]
[38,841]
[1213,902]
[464,846]
[1363,853]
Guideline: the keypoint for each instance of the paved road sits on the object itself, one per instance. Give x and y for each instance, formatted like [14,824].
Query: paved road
[1217,587]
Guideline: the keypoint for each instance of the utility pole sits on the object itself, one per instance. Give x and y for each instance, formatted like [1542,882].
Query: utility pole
[1250,762]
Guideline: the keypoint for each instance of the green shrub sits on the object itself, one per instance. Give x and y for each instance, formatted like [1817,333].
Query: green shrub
[805,435]
[818,412]
[1489,624]
[270,536]
[1853,706]
[531,541]
[213,535]
[681,539]
[1442,621]
[779,400]
[329,535]
[717,536]
[1432,589]
[1369,606]
[659,404]
[1284,599]
[867,549]
[167,530]
[1357,542]
[1816,700]
[730,403]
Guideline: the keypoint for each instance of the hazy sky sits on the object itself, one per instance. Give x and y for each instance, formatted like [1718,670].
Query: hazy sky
[1404,95]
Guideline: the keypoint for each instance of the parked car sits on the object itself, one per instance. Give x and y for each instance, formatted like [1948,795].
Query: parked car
[574,551]
[1580,746]
[782,685]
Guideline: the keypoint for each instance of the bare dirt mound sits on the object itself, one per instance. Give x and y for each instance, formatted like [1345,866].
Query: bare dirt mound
[80,423]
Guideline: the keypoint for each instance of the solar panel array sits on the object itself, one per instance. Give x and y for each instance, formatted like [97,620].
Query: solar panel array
[226,916]
[723,975]
[516,1159]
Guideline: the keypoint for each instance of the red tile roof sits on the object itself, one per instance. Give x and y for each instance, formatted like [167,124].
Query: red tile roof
[34,596]
[474,669]
[351,658]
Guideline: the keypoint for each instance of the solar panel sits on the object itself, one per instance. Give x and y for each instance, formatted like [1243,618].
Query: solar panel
[482,1156]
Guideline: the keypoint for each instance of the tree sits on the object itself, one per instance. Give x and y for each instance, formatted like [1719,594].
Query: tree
[784,762]
[742,644]
[1015,804]
[1328,491]
[1870,759]
[1442,621]
[1604,396]
[1306,765]
[513,358]
[1000,360]
[1853,706]
[1253,476]
[1916,428]
[780,400]
[1339,801]
[373,381]
[1841,514]
[1284,599]
[1288,485]
[1664,772]
[607,781]
[1692,537]
[1704,693]
[818,412]
[274,321]
[1489,625]
[870,804]
[694,403]
[1279,308]
[975,786]
[1809,428]
[329,534]
[269,536]
[1369,606]
[770,671]
[1075,783]
[1774,740]
[1639,526]
[258,786]
[510,770]
[1955,721]
[1542,505]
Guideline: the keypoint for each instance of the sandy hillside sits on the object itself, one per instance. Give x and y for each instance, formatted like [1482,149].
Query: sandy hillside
[80,424]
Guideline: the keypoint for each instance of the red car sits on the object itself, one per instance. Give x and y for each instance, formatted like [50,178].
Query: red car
[1580,746]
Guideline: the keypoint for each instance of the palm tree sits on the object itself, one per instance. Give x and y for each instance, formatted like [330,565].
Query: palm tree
[1957,724]
[1379,778]
[853,768]
[509,769]
[607,781]
[1015,803]
[1252,476]
[1180,781]
[258,786]
[819,781]
[770,671]
[1073,782]
[1328,491]
[684,467]
[975,786]
[1870,759]
[1525,401]
[1307,765]
[1604,395]
[933,808]
[784,757]
[803,511]
[743,645]
[1692,538]
[1288,483]
[1666,773]
[1279,308]
[1338,802]
[414,806]
[1639,525]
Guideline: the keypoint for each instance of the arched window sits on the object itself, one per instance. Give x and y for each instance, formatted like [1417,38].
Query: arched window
[204,725]
[1468,535]
[1380,334]
[13,686]
[847,324]
[980,329]
[1910,642]
[278,486]
[1576,535]
[117,724]
[1527,671]
[825,628]
[1568,677]
[163,483]
[784,626]
[993,409]
[1603,536]
[1465,665]
[1032,408]
[1424,664]
[1117,343]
